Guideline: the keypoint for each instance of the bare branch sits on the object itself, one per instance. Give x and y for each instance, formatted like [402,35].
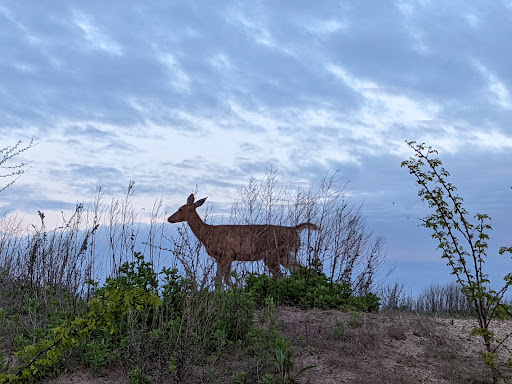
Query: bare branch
[10,171]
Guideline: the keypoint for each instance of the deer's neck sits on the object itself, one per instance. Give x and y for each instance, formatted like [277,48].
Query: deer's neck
[198,227]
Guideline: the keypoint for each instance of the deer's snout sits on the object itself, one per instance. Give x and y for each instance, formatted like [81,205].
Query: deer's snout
[171,219]
[176,217]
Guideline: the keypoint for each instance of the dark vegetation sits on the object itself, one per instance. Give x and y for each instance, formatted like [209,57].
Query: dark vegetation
[435,299]
[463,242]
[159,327]
[309,288]
[169,324]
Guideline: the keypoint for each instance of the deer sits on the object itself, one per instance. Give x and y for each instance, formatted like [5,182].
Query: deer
[276,245]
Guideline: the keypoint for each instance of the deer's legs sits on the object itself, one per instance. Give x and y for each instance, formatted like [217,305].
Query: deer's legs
[273,265]
[293,265]
[291,262]
[218,276]
[223,271]
[227,274]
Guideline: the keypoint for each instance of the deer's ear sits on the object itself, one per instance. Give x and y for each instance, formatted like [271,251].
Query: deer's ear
[198,203]
[190,199]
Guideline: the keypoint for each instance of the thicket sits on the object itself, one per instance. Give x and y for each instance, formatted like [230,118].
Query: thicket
[448,299]
[157,316]
[158,326]
[309,288]
[348,251]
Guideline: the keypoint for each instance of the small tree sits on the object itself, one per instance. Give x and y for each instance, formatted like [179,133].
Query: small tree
[464,245]
[9,171]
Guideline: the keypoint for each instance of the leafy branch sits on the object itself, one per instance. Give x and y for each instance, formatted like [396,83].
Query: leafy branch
[464,244]
[112,302]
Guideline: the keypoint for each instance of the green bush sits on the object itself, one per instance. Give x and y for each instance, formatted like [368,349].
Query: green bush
[110,305]
[98,354]
[309,288]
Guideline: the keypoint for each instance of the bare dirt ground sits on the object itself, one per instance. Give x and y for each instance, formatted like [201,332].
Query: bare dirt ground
[385,347]
[368,348]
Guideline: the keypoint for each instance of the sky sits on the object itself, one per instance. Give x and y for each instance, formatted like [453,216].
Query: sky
[186,95]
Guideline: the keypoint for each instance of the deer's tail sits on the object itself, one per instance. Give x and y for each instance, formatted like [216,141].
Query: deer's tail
[302,226]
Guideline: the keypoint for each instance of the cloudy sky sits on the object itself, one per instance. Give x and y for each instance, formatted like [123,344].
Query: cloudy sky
[178,94]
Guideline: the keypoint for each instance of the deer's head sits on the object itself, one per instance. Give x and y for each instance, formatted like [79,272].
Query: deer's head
[184,213]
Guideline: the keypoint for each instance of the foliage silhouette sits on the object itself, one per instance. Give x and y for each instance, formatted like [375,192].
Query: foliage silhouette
[463,244]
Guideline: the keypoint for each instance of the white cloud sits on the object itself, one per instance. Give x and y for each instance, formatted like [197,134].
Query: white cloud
[258,118]
[260,33]
[419,44]
[405,7]
[32,39]
[383,111]
[410,11]
[202,123]
[351,81]
[499,93]
[473,20]
[326,27]
[382,107]
[96,37]
[411,7]
[180,79]
[221,62]
[24,67]
[492,139]
[312,134]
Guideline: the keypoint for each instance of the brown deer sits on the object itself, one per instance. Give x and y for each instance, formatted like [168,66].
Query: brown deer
[274,244]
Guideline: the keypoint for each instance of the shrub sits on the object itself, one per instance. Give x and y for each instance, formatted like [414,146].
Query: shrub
[106,310]
[309,288]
